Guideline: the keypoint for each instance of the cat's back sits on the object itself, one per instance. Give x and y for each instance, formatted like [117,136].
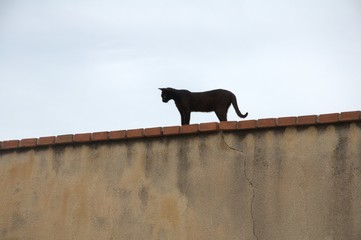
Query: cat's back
[219,91]
[215,93]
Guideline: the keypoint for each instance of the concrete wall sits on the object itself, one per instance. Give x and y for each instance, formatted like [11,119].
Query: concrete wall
[279,183]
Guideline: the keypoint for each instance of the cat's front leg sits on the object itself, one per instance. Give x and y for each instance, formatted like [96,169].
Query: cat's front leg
[186,117]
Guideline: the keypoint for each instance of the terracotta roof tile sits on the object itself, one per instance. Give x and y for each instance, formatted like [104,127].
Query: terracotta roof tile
[352,116]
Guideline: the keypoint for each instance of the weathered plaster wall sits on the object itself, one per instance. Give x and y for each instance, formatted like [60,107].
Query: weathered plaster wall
[280,183]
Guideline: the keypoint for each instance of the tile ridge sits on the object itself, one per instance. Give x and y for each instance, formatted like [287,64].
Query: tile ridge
[305,120]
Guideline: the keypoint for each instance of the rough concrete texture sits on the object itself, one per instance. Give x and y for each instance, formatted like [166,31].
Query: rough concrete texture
[281,183]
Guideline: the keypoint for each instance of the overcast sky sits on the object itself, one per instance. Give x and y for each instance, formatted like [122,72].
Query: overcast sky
[76,66]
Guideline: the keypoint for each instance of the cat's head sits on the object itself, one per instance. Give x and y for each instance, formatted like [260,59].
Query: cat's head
[166,94]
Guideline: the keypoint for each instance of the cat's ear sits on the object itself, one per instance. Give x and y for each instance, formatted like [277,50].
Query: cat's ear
[161,89]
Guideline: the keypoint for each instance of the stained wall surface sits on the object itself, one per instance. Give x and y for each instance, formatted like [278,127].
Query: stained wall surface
[281,183]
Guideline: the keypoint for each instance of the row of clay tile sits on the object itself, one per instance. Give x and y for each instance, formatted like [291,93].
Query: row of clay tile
[178,130]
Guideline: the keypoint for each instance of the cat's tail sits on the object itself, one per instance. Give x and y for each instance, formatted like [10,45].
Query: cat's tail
[235,105]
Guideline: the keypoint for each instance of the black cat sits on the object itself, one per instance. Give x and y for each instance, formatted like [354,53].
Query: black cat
[216,100]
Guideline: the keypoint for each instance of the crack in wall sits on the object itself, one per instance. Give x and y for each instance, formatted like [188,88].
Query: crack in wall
[249,182]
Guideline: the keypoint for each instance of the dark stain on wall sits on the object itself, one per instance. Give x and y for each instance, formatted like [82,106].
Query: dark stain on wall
[157,161]
[203,150]
[143,196]
[342,180]
[17,221]
[183,166]
[58,158]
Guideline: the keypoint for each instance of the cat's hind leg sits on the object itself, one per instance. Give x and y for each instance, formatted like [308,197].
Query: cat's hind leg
[222,116]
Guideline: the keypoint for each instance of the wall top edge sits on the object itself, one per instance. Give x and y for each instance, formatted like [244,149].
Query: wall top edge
[291,121]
